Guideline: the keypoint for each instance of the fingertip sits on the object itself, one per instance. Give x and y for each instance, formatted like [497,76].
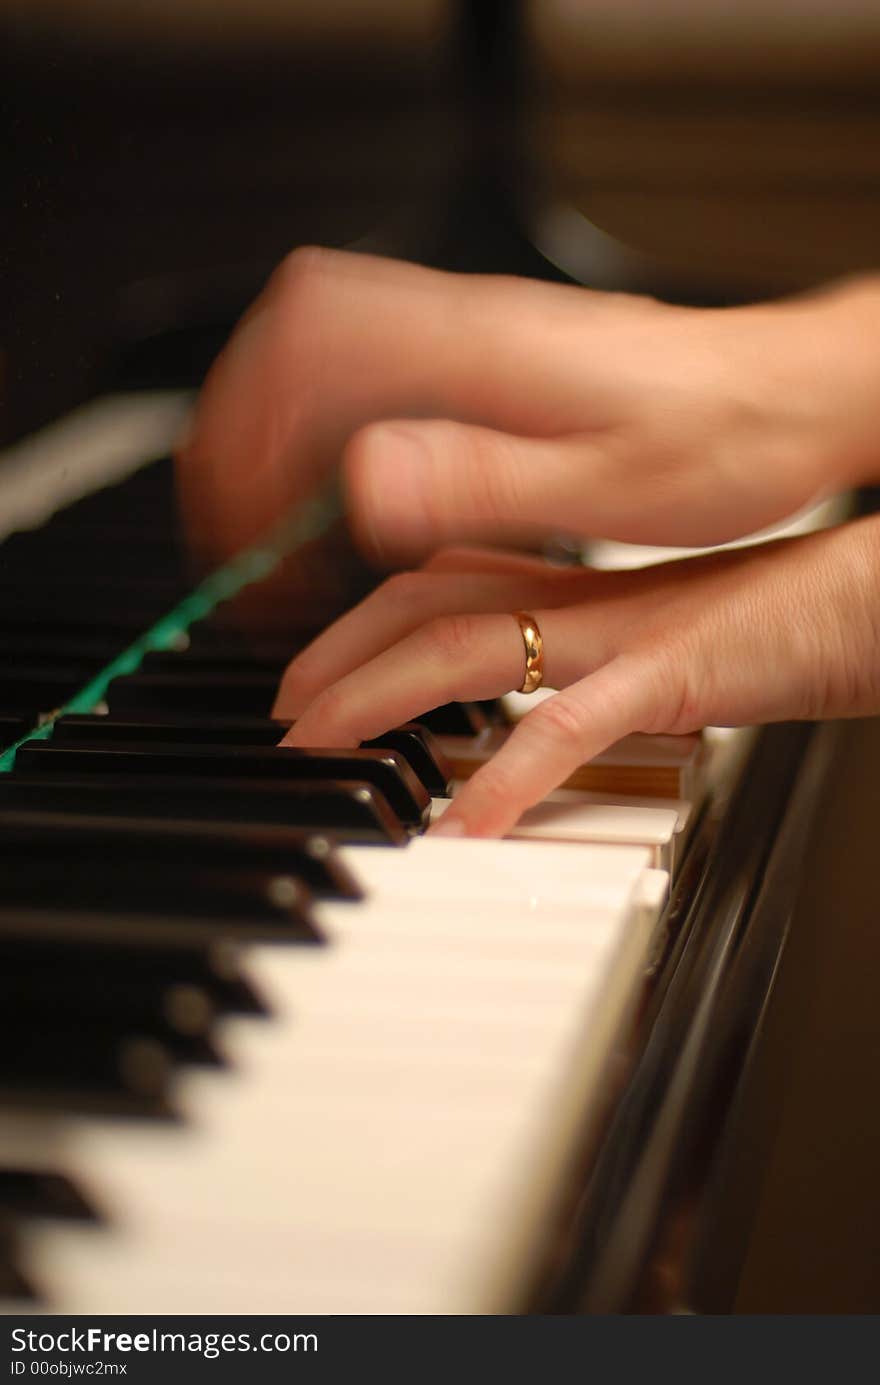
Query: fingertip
[447,826]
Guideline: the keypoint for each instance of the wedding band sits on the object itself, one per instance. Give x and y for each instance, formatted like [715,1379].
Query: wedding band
[534,644]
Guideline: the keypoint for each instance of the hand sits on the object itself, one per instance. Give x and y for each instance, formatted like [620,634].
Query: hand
[494,409]
[783,630]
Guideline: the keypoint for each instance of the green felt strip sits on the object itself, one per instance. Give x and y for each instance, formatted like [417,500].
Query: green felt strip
[311,522]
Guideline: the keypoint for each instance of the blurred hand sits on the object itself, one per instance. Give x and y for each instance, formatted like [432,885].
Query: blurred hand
[499,410]
[784,630]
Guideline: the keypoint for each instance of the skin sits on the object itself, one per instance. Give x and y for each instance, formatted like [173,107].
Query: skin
[476,411]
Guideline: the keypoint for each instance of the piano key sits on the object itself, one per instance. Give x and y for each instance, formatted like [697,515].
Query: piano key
[142,1002]
[656,766]
[90,551]
[386,770]
[185,694]
[14,1286]
[210,665]
[456,719]
[115,728]
[180,1018]
[33,644]
[42,1193]
[352,810]
[28,691]
[122,952]
[140,601]
[227,900]
[578,817]
[213,638]
[466,1079]
[422,752]
[308,857]
[12,728]
[79,1068]
[414,742]
[538,876]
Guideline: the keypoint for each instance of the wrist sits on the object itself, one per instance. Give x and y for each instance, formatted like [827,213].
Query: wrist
[841,345]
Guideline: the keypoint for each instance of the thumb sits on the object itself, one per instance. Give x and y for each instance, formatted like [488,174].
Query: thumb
[415,485]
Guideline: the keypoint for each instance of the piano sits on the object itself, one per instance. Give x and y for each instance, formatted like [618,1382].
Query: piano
[271,1049]
[267,1047]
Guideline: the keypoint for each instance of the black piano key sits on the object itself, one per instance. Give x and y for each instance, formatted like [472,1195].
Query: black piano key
[455,719]
[34,644]
[414,742]
[49,631]
[308,857]
[240,694]
[43,1193]
[387,771]
[179,1016]
[169,1008]
[12,728]
[117,729]
[214,639]
[493,710]
[27,690]
[195,663]
[352,811]
[229,902]
[145,497]
[91,551]
[13,1283]
[422,752]
[140,601]
[32,940]
[86,1069]
[181,1023]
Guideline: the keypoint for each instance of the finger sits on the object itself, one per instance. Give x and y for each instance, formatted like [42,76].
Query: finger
[415,485]
[625,695]
[472,558]
[453,658]
[338,340]
[405,602]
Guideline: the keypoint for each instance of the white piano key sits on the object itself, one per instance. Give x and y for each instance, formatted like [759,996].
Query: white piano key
[603,822]
[538,876]
[417,1101]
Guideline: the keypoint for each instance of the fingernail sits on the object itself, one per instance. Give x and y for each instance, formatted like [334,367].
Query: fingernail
[393,510]
[447,827]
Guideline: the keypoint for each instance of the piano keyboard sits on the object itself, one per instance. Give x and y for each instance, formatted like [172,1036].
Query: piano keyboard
[272,1050]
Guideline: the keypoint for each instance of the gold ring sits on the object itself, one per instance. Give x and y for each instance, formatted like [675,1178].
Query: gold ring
[534,644]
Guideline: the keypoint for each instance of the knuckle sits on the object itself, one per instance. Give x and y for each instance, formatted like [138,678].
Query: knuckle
[492,785]
[450,638]
[676,693]
[299,681]
[330,706]
[495,476]
[405,591]
[302,275]
[558,720]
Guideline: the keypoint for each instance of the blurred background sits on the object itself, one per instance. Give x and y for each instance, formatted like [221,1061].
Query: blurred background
[160,156]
